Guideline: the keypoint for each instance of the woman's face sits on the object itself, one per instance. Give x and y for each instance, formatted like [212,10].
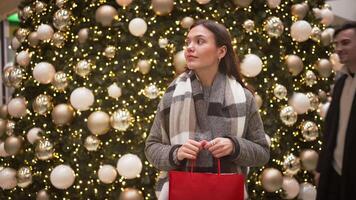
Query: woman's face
[201,51]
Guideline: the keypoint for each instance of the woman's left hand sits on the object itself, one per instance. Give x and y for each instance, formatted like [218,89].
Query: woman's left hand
[220,147]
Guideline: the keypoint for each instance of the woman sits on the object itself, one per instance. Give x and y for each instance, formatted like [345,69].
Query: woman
[206,112]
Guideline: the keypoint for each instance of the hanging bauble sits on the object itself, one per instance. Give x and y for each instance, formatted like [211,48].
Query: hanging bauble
[82,98]
[107,174]
[17,107]
[327,16]
[24,177]
[242,3]
[27,12]
[13,144]
[309,159]
[307,192]
[251,65]
[310,78]
[290,187]
[114,91]
[280,91]
[151,91]
[300,10]
[3,153]
[249,25]
[33,135]
[33,39]
[21,34]
[6,75]
[16,76]
[98,123]
[91,143]
[42,195]
[15,44]
[129,166]
[3,111]
[8,178]
[62,114]
[203,1]
[288,115]
[124,2]
[163,42]
[44,72]
[144,66]
[294,64]
[2,126]
[61,3]
[291,165]
[130,194]
[61,19]
[83,35]
[60,81]
[40,6]
[300,102]
[315,34]
[324,67]
[58,39]
[105,15]
[137,27]
[83,68]
[62,177]
[179,62]
[309,131]
[274,27]
[300,30]
[45,32]
[23,58]
[187,22]
[327,36]
[10,127]
[162,7]
[271,179]
[120,120]
[314,101]
[42,104]
[44,149]
[110,52]
[273,3]
[335,61]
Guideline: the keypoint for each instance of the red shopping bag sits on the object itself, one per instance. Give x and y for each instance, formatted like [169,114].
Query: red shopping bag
[205,186]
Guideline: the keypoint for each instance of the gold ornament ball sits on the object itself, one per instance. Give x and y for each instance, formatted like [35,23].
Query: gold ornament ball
[83,35]
[15,43]
[120,120]
[309,159]
[310,130]
[58,39]
[274,27]
[324,67]
[23,58]
[242,3]
[187,22]
[315,34]
[271,179]
[105,15]
[60,81]
[130,194]
[124,2]
[21,34]
[10,127]
[27,12]
[98,123]
[249,25]
[44,149]
[322,96]
[15,77]
[62,114]
[61,19]
[61,3]
[6,75]
[300,10]
[3,111]
[91,143]
[295,64]
[33,39]
[280,91]
[17,107]
[314,101]
[291,165]
[110,52]
[2,126]
[144,66]
[151,91]
[288,115]
[327,36]
[310,78]
[42,104]
[40,6]
[24,177]
[162,7]
[42,195]
[12,145]
[83,68]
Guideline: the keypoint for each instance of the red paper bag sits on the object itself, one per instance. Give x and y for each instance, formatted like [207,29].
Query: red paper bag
[205,186]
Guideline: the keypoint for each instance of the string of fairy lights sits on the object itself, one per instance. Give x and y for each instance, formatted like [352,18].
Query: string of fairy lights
[89,75]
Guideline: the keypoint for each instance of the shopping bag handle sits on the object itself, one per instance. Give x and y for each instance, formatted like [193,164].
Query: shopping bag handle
[192,164]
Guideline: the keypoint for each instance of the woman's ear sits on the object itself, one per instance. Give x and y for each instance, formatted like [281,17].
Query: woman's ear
[222,52]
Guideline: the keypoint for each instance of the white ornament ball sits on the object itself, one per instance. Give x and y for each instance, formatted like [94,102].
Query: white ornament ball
[124,2]
[163,42]
[114,91]
[129,166]
[327,16]
[144,66]
[300,103]
[33,135]
[23,58]
[44,72]
[17,107]
[323,109]
[82,98]
[251,65]
[15,43]
[187,22]
[179,62]
[273,3]
[301,30]
[45,32]
[8,178]
[83,35]
[291,187]
[335,61]
[307,191]
[105,14]
[3,153]
[138,27]
[62,177]
[107,174]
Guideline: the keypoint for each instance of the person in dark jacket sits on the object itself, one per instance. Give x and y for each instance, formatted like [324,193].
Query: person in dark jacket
[336,171]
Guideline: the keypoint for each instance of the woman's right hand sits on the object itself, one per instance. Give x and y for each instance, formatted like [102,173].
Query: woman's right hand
[189,150]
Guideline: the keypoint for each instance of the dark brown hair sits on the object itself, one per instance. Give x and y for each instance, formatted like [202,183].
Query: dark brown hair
[229,64]
[350,25]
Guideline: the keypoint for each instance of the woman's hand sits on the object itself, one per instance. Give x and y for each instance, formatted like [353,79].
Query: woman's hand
[220,147]
[189,150]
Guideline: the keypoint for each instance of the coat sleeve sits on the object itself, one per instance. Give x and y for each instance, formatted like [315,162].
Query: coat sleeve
[252,149]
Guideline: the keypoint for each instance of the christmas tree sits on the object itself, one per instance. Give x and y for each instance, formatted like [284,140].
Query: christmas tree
[89,74]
